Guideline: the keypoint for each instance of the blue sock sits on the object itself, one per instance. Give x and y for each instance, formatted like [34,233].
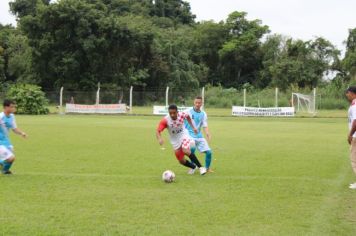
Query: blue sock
[2,163]
[208,155]
[192,150]
[6,166]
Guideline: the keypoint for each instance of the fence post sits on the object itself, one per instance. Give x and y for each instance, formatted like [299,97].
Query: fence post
[276,101]
[131,89]
[61,101]
[244,97]
[167,91]
[314,100]
[292,100]
[203,96]
[98,95]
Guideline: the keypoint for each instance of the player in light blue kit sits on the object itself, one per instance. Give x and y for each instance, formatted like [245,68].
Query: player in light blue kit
[7,123]
[201,121]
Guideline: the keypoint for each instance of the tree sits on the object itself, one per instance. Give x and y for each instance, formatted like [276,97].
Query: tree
[240,55]
[153,44]
[209,38]
[29,99]
[21,8]
[177,10]
[349,61]
[303,63]
[15,56]
[272,51]
[78,43]
[173,53]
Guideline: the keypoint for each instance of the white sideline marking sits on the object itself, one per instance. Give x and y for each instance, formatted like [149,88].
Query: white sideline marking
[321,218]
[215,176]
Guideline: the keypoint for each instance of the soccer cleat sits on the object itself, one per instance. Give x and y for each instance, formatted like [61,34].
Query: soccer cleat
[352,186]
[191,171]
[202,170]
[7,172]
[209,170]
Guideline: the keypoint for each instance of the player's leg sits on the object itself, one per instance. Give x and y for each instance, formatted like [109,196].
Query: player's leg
[353,160]
[192,151]
[180,157]
[7,158]
[208,157]
[203,147]
[186,147]
[193,148]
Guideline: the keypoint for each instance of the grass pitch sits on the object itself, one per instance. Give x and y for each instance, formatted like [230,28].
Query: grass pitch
[101,175]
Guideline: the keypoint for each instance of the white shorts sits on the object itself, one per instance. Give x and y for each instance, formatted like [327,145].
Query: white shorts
[201,144]
[5,152]
[185,142]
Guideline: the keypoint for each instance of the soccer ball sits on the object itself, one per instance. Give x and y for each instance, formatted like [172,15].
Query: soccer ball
[168,176]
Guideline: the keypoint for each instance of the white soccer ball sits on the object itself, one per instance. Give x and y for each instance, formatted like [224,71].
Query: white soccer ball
[168,176]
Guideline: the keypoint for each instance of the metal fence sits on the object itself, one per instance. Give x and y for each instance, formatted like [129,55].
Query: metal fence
[139,98]
[214,98]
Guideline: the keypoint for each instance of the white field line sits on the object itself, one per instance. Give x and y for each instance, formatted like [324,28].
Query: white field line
[214,176]
[322,217]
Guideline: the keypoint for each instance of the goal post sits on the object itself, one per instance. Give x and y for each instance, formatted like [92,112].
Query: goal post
[304,102]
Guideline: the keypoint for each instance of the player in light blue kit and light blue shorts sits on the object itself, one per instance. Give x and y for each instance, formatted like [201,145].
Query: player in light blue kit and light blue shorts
[7,123]
[201,121]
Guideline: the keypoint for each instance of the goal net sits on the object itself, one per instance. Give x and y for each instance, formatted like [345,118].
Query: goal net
[304,102]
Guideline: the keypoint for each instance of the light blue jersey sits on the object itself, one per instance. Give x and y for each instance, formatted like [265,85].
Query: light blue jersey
[6,124]
[200,120]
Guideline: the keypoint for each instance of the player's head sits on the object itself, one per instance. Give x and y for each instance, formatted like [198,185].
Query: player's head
[198,102]
[351,93]
[9,106]
[173,111]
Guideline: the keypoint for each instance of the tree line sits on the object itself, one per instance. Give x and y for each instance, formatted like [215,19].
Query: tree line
[151,44]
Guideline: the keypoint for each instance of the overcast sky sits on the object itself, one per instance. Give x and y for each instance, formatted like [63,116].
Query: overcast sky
[304,19]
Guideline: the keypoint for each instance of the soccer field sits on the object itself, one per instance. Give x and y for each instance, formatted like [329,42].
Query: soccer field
[101,175]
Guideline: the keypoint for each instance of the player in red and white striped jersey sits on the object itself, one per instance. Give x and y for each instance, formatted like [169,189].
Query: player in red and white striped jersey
[179,137]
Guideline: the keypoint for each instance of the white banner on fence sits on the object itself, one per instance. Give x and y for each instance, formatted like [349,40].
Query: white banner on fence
[96,109]
[258,111]
[163,110]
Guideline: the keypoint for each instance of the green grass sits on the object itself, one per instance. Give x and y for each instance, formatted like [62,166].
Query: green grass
[100,175]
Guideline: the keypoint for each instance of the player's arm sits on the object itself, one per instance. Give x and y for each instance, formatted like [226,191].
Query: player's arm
[207,133]
[161,126]
[191,123]
[352,131]
[205,127]
[17,130]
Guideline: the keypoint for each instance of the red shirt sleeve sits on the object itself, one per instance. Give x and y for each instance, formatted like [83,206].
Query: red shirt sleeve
[162,125]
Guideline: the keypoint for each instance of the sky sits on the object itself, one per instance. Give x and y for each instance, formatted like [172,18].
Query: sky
[300,19]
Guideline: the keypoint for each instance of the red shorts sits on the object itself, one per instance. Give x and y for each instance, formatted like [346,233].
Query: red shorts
[185,145]
[179,154]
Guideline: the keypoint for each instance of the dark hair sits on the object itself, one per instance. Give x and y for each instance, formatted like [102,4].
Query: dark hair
[8,102]
[173,107]
[199,97]
[351,89]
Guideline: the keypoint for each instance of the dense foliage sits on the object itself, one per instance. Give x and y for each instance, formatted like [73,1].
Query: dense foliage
[29,99]
[153,44]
